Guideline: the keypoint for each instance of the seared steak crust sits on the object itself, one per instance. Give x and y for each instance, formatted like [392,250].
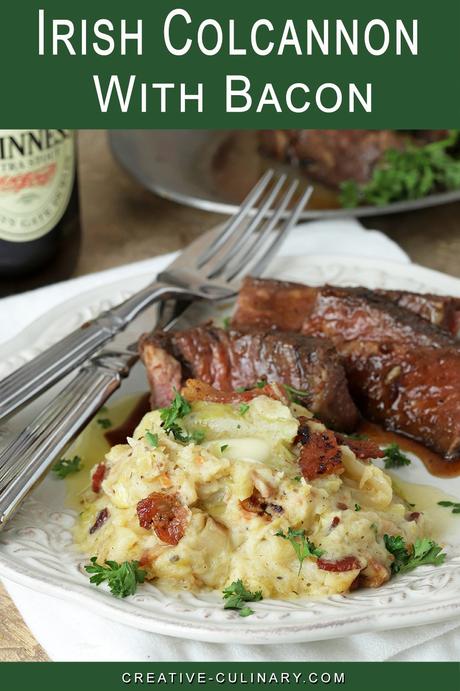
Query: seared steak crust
[403,371]
[229,359]
[415,391]
[441,310]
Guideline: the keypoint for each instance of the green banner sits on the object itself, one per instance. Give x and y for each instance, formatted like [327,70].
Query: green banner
[347,676]
[167,64]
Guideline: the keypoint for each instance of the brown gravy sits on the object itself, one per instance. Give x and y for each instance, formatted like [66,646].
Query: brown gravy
[118,434]
[434,463]
[237,164]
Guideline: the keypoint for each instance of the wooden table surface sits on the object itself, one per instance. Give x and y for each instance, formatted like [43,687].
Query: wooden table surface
[124,223]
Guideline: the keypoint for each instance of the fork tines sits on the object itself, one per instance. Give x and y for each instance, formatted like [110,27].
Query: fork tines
[252,236]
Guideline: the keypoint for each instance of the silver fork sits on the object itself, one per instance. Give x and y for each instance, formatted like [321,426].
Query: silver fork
[204,270]
[26,459]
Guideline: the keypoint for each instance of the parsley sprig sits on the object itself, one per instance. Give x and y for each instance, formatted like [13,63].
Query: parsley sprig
[122,579]
[454,505]
[394,457]
[300,544]
[178,409]
[104,422]
[407,558]
[236,595]
[411,173]
[67,466]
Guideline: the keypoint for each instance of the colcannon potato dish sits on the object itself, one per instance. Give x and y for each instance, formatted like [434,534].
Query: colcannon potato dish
[245,487]
[261,470]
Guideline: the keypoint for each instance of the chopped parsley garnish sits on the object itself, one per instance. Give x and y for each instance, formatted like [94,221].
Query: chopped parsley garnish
[104,422]
[67,466]
[301,545]
[411,173]
[227,322]
[223,447]
[454,505]
[296,395]
[236,596]
[243,409]
[394,457]
[406,558]
[197,436]
[357,507]
[152,439]
[178,409]
[122,579]
[298,478]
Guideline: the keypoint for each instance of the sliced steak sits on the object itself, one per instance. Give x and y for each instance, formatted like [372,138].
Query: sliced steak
[403,371]
[413,390]
[229,359]
[341,314]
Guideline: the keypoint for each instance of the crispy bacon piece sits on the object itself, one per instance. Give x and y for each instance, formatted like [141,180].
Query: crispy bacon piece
[165,514]
[195,390]
[258,504]
[362,448]
[319,454]
[340,565]
[98,477]
[101,518]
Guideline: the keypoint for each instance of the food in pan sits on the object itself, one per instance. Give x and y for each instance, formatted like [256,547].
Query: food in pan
[247,490]
[370,166]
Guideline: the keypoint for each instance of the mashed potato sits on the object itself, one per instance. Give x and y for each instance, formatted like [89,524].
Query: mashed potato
[204,515]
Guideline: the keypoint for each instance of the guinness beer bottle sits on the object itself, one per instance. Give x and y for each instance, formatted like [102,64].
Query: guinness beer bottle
[39,208]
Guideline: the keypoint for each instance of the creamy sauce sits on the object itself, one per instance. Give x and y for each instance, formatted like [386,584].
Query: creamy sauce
[442,523]
[237,164]
[94,442]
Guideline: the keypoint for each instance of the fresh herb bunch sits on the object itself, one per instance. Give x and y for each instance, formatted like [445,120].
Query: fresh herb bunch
[454,505]
[67,466]
[406,558]
[394,457]
[122,579]
[409,174]
[300,544]
[178,409]
[236,596]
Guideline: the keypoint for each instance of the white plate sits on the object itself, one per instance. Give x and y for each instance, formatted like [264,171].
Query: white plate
[36,549]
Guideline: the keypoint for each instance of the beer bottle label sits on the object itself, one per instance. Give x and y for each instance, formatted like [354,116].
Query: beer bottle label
[37,170]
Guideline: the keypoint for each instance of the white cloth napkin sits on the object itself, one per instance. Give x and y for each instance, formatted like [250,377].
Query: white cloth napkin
[68,633]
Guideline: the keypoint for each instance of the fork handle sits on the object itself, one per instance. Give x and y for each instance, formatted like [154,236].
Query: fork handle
[27,458]
[54,363]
